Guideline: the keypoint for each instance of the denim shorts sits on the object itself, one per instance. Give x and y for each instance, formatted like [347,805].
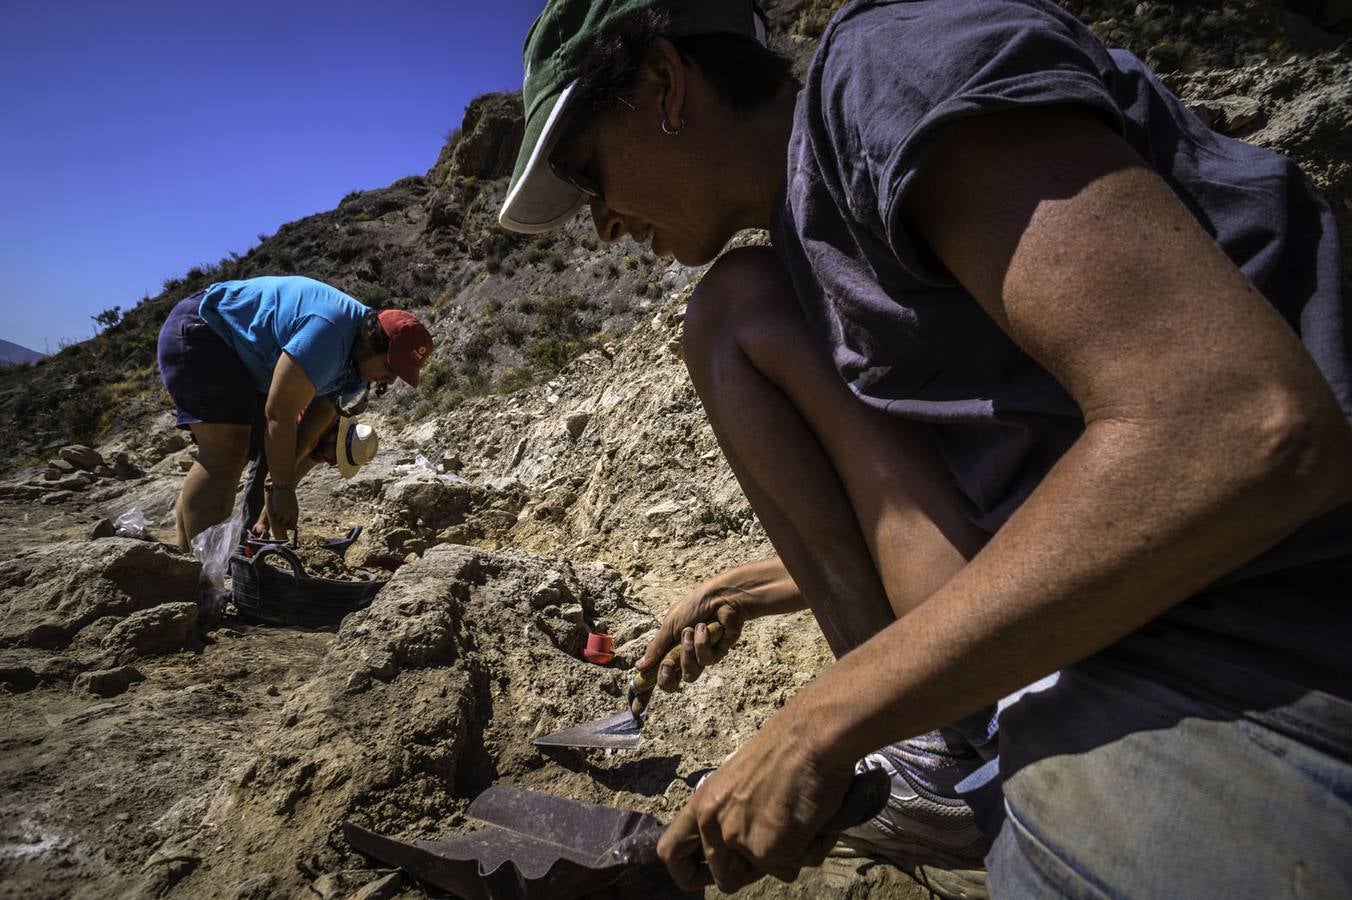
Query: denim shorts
[203,374]
[1115,785]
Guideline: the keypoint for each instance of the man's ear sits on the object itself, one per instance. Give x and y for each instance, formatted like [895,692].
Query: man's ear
[667,72]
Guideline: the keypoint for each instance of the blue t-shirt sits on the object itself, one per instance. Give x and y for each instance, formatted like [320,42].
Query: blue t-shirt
[888,78]
[312,322]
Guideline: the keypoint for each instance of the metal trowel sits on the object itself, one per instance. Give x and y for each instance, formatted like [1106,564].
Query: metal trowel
[623,730]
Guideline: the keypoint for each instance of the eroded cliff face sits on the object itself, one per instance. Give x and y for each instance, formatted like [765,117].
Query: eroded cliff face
[569,483]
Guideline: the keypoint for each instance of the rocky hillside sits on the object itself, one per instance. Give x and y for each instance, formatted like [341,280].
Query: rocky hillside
[510,310]
[507,310]
[554,477]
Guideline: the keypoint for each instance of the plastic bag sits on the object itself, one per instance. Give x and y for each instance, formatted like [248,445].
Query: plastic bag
[422,463]
[131,523]
[213,548]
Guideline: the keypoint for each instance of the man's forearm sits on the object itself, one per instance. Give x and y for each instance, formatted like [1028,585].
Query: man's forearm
[314,423]
[1114,536]
[761,588]
[280,444]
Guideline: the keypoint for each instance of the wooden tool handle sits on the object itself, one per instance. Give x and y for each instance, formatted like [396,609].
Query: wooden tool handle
[643,682]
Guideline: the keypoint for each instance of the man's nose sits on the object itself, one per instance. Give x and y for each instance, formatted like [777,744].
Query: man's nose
[609,228]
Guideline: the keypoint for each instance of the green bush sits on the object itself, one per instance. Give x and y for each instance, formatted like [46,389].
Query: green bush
[513,379]
[108,318]
[551,354]
[478,349]
[513,329]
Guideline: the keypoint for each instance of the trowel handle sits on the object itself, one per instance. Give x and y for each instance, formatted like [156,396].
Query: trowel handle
[867,795]
[643,682]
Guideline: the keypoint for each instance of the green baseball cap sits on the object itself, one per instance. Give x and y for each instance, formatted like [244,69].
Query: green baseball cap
[556,48]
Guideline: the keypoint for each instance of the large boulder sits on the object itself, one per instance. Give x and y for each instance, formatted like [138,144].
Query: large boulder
[448,665]
[485,145]
[54,592]
[424,500]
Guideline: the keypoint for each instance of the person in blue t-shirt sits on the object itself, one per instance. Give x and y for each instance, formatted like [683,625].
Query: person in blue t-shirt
[1039,375]
[260,362]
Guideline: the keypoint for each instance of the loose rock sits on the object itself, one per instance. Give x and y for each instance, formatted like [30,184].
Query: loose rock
[575,423]
[18,678]
[81,456]
[664,510]
[381,888]
[257,887]
[162,629]
[107,682]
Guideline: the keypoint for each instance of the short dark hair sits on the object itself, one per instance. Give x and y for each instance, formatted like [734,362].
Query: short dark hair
[373,334]
[746,74]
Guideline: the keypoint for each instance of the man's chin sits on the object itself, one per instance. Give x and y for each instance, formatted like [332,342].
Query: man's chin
[692,256]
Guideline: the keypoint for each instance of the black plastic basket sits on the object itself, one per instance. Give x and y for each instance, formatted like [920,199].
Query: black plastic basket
[268,594]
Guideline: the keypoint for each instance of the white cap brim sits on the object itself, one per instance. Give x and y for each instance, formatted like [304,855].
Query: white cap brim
[357,446]
[340,454]
[541,200]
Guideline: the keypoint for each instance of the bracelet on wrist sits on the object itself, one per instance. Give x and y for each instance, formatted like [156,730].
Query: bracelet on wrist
[282,487]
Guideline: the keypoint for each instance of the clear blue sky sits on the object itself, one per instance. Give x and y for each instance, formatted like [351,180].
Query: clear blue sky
[141,137]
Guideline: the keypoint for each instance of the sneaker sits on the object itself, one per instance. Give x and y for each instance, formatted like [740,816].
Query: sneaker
[932,838]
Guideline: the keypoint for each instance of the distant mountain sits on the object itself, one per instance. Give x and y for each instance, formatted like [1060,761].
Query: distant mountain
[12,354]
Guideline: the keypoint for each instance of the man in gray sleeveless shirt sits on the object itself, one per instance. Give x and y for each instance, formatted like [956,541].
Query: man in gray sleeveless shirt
[1042,375]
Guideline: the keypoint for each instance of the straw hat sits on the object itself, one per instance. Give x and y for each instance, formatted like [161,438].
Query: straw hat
[357,445]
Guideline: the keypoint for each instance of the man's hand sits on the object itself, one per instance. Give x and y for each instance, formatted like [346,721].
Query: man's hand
[282,510]
[260,528]
[731,599]
[760,814]
[685,624]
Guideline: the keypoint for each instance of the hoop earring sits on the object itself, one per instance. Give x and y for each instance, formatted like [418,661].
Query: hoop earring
[666,129]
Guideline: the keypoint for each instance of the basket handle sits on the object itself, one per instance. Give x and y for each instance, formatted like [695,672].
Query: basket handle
[285,553]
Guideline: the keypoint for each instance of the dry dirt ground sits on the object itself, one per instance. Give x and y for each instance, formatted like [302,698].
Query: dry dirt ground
[148,751]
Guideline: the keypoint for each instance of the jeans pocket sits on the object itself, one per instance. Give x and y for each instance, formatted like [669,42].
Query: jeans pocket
[1052,874]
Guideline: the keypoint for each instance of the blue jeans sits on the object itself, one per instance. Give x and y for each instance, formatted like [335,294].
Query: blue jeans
[1116,785]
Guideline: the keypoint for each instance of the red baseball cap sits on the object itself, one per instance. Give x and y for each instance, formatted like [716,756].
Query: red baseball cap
[410,343]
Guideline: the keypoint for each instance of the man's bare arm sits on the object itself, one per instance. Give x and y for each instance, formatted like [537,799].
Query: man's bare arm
[1209,437]
[732,598]
[314,424]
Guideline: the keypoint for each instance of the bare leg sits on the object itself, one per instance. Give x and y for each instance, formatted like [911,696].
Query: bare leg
[856,502]
[208,491]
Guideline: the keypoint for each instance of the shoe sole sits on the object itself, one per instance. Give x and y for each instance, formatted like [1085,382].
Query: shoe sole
[944,875]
